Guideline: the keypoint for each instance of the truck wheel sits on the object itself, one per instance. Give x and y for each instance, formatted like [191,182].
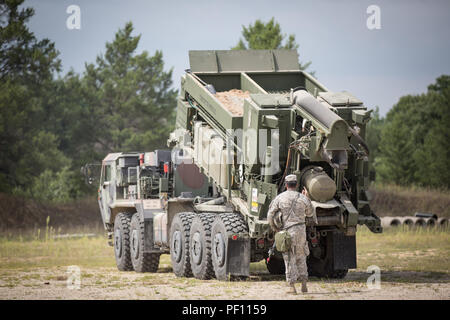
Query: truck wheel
[276,265]
[223,225]
[200,246]
[322,264]
[179,244]
[142,261]
[122,241]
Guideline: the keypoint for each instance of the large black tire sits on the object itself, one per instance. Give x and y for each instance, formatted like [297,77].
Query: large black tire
[142,261]
[224,224]
[122,241]
[200,246]
[276,265]
[179,244]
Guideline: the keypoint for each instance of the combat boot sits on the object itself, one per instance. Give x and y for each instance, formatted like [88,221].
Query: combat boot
[292,289]
[304,287]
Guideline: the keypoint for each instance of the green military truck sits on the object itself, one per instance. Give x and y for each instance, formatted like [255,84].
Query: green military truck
[245,120]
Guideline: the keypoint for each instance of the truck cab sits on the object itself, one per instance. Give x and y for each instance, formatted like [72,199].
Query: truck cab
[118,186]
[138,195]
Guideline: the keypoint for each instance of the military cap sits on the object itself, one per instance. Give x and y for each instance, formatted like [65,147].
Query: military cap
[291,178]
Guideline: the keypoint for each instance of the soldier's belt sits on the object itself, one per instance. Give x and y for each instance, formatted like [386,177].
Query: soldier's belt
[297,224]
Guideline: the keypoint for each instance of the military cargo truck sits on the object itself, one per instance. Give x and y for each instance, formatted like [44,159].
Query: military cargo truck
[245,120]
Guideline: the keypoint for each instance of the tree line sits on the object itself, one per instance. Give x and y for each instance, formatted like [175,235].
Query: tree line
[411,145]
[52,124]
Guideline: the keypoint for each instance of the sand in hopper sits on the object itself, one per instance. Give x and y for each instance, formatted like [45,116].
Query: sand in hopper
[233,100]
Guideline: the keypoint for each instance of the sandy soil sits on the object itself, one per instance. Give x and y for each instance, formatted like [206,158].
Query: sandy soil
[108,283]
[233,100]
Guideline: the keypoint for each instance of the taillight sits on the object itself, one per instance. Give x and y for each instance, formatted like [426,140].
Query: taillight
[260,243]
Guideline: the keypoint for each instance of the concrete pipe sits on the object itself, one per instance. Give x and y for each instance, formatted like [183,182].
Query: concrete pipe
[407,221]
[442,222]
[419,222]
[425,215]
[430,222]
[387,222]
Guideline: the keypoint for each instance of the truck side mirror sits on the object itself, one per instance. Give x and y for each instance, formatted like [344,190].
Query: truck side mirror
[91,172]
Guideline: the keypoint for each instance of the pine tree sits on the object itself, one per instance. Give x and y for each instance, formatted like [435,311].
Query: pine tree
[268,36]
[433,158]
[373,136]
[132,96]
[27,66]
[415,144]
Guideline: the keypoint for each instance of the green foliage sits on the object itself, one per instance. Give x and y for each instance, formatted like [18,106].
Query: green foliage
[123,102]
[414,145]
[131,95]
[55,186]
[22,56]
[373,135]
[262,35]
[50,127]
[433,157]
[267,36]
[26,70]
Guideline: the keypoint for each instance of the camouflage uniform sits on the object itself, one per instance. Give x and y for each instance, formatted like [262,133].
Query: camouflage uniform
[295,258]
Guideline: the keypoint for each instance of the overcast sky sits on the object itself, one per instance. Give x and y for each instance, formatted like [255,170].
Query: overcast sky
[409,52]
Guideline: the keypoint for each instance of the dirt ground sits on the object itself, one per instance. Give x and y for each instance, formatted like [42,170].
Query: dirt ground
[414,264]
[108,283]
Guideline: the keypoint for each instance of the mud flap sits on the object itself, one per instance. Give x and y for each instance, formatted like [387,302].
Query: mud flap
[344,251]
[148,234]
[147,215]
[238,257]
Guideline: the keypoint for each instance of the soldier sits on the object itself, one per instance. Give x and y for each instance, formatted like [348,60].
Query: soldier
[294,223]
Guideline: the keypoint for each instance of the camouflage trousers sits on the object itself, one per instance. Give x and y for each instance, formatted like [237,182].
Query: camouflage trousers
[295,258]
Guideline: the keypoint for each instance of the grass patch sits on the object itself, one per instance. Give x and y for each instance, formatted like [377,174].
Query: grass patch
[393,200]
[83,252]
[421,249]
[396,249]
